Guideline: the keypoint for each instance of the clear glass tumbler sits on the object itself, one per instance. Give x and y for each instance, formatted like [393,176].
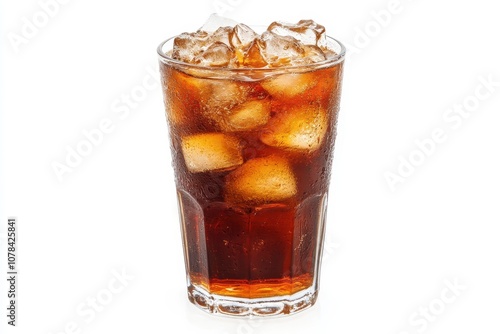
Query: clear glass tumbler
[252,152]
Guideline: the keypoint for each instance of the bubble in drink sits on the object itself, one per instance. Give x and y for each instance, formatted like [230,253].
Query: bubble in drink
[181,94]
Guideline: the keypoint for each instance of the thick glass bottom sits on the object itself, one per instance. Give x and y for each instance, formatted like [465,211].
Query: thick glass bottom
[254,307]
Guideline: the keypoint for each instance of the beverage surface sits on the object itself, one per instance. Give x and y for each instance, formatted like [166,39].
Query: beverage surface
[252,158]
[238,46]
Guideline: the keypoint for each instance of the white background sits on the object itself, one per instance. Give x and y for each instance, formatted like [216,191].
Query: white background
[389,251]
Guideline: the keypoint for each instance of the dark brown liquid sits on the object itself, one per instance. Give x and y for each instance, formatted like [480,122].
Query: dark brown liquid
[255,248]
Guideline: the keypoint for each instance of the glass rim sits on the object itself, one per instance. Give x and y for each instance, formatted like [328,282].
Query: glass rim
[338,58]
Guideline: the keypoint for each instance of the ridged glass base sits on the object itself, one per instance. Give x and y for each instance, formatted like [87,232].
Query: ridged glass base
[256,307]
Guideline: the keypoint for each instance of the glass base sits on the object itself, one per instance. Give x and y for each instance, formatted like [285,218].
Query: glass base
[255,307]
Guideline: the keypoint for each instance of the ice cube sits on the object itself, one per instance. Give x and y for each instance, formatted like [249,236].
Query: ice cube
[218,97]
[215,95]
[253,56]
[247,116]
[242,36]
[283,44]
[217,54]
[189,45]
[215,98]
[260,180]
[289,85]
[300,128]
[280,50]
[307,32]
[203,48]
[313,54]
[222,35]
[211,152]
[216,21]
